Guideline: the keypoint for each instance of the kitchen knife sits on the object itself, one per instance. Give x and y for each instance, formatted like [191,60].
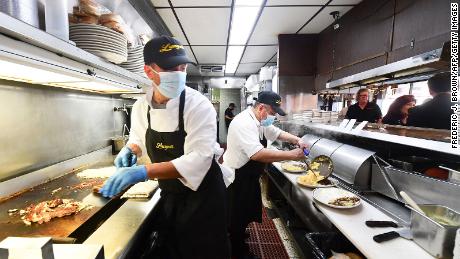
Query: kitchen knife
[402,232]
[382,224]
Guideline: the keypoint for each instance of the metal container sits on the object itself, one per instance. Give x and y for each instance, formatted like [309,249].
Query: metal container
[118,143]
[353,165]
[324,147]
[435,232]
[24,10]
[423,189]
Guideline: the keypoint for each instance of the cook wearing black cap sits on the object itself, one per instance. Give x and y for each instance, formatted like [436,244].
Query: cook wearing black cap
[176,127]
[246,155]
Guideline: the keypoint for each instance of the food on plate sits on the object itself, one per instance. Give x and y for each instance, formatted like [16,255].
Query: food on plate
[346,201]
[88,19]
[47,210]
[73,18]
[89,7]
[110,17]
[114,26]
[311,178]
[293,167]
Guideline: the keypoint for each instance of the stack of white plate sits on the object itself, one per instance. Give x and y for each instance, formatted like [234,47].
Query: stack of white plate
[334,116]
[316,120]
[307,115]
[297,116]
[135,62]
[100,41]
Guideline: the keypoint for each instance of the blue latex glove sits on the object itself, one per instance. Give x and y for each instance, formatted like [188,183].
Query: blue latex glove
[122,178]
[125,158]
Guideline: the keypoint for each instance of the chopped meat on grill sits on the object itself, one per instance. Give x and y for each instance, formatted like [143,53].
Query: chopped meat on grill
[47,210]
[87,184]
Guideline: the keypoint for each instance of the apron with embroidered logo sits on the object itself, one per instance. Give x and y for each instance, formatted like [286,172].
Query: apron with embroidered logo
[191,224]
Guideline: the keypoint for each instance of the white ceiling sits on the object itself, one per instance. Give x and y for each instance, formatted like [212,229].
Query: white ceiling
[206,23]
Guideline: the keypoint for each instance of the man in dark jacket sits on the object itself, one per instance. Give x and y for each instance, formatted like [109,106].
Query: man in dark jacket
[435,113]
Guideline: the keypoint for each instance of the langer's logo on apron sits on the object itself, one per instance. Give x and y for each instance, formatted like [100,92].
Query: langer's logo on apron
[165,147]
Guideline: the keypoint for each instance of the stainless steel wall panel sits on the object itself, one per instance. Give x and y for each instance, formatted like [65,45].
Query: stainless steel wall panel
[44,125]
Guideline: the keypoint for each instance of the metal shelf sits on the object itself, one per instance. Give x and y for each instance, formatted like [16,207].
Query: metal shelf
[24,32]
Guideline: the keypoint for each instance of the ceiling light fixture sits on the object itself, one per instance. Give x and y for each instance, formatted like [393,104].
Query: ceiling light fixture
[244,17]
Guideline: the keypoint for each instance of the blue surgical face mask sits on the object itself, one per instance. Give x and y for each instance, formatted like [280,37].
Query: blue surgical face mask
[171,83]
[268,121]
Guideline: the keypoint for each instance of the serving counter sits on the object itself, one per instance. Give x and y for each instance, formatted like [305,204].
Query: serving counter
[351,223]
[120,225]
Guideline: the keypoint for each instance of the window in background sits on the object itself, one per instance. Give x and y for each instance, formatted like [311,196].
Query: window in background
[421,92]
[392,94]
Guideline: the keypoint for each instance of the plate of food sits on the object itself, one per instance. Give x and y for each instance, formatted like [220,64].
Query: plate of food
[336,198]
[314,180]
[293,167]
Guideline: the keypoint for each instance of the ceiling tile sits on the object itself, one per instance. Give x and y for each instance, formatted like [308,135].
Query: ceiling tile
[205,26]
[277,20]
[189,53]
[296,2]
[258,53]
[345,2]
[160,3]
[169,19]
[324,19]
[210,54]
[250,68]
[202,2]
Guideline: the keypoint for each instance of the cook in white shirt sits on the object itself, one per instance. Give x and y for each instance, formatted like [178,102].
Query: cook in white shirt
[246,154]
[176,127]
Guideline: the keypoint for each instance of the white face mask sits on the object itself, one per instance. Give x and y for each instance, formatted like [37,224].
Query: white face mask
[171,83]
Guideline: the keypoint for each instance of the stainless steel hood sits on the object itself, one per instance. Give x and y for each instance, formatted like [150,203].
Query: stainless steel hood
[413,67]
[30,55]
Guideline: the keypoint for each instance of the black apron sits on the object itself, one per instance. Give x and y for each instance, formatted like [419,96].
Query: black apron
[245,201]
[191,224]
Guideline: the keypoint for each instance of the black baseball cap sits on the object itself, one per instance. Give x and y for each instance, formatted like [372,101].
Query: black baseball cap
[166,52]
[272,99]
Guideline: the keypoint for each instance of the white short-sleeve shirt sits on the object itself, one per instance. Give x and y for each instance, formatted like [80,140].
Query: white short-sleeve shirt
[200,126]
[243,139]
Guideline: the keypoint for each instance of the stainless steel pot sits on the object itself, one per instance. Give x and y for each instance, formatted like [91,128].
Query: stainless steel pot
[435,232]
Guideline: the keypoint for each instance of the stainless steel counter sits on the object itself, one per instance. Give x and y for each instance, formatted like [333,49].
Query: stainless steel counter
[118,232]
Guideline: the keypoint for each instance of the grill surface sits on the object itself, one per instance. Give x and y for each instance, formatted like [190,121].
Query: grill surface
[57,227]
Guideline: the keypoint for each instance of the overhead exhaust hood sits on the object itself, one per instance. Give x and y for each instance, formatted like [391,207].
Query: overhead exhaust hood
[36,57]
[403,70]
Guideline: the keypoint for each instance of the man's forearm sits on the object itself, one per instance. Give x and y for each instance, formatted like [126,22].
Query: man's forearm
[268,156]
[163,170]
[136,149]
[288,137]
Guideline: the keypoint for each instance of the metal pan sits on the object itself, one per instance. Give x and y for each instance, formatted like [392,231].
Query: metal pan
[323,164]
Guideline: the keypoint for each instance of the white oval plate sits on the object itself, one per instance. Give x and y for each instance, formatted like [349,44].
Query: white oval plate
[317,185]
[284,164]
[325,195]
